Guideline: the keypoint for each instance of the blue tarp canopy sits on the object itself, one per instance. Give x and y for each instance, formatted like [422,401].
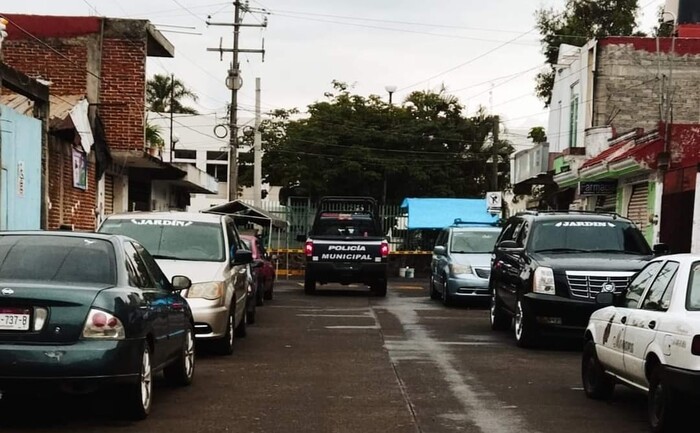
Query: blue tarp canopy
[436,213]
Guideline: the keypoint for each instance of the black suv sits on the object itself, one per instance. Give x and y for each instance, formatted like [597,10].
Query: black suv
[548,267]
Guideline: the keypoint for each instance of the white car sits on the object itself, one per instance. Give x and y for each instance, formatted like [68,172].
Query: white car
[649,340]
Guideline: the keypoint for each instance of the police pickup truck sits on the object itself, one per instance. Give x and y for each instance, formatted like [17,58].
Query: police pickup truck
[346,245]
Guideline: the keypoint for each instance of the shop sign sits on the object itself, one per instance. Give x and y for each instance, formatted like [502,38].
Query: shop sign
[598,188]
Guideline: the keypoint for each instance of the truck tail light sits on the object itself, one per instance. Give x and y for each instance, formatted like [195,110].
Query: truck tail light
[309,248]
[695,347]
[385,249]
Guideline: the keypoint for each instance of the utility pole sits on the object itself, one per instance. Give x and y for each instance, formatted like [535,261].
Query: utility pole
[172,98]
[494,154]
[257,148]
[234,82]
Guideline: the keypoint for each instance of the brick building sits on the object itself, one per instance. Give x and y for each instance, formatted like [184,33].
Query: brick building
[103,62]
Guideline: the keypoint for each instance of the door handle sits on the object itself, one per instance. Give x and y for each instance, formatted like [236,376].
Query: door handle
[652,324]
[623,320]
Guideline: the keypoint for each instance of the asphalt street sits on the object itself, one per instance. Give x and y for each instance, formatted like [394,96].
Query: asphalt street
[346,361]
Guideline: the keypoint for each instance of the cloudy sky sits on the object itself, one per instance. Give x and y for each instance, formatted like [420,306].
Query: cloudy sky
[467,45]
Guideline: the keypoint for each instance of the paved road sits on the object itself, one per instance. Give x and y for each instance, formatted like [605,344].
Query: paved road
[343,361]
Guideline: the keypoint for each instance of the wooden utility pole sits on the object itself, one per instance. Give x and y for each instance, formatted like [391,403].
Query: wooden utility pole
[234,83]
[494,154]
[257,148]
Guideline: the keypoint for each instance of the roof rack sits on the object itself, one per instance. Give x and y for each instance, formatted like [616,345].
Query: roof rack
[458,221]
[569,211]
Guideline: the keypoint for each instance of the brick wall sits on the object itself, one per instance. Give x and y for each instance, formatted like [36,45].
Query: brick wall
[69,205]
[627,93]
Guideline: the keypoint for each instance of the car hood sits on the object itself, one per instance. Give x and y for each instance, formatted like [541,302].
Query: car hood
[591,261]
[478,260]
[198,272]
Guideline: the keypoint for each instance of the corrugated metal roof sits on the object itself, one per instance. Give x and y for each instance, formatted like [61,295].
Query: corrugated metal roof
[59,108]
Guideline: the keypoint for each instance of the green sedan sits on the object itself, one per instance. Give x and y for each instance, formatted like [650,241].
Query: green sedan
[79,311]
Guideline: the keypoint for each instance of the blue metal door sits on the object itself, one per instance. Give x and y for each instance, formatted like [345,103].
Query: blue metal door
[20,179]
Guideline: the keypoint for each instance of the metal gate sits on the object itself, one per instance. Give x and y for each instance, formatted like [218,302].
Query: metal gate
[637,207]
[109,194]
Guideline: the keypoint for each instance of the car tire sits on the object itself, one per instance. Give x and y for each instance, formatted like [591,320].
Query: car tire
[434,295]
[379,288]
[251,311]
[268,294]
[446,297]
[137,398]
[260,295]
[500,320]
[309,284]
[242,328]
[664,405]
[596,383]
[181,372]
[524,327]
[224,345]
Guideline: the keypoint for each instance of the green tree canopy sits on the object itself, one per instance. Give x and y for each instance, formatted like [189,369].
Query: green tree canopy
[349,144]
[159,90]
[580,21]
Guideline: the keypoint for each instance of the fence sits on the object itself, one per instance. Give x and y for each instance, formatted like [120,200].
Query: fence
[300,213]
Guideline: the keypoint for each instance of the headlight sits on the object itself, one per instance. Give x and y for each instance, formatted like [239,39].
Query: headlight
[457,268]
[212,290]
[102,325]
[543,281]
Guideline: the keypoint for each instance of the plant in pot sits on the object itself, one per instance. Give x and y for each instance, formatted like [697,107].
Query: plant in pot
[154,142]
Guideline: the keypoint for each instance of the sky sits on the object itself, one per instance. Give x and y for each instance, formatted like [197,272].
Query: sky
[487,53]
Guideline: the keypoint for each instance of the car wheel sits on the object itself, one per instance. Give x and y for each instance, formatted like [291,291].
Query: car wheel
[446,297]
[181,372]
[433,293]
[596,383]
[242,328]
[664,405]
[500,321]
[268,294]
[309,284]
[260,295]
[224,346]
[379,288]
[525,329]
[251,310]
[137,397]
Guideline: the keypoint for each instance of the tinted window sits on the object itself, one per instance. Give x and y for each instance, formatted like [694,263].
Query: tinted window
[659,294]
[170,239]
[339,224]
[509,231]
[477,241]
[636,288]
[693,298]
[139,276]
[593,236]
[57,258]
[159,278]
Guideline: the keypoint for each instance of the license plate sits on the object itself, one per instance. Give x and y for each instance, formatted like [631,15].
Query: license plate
[14,319]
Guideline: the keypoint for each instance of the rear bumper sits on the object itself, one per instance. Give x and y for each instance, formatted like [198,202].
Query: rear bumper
[84,362]
[559,316]
[347,273]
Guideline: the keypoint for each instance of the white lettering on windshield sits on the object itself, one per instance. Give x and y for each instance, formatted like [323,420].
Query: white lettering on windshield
[584,224]
[171,223]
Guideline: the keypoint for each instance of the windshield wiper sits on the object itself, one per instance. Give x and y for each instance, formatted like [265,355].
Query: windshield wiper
[562,250]
[161,256]
[617,251]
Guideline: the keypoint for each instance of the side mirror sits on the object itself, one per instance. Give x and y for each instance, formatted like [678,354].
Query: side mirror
[181,282]
[242,257]
[661,249]
[301,238]
[509,246]
[439,250]
[605,299]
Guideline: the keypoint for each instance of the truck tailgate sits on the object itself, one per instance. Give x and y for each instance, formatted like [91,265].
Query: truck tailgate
[337,250]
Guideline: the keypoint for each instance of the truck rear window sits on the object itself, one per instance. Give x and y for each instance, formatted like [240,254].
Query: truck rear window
[345,224]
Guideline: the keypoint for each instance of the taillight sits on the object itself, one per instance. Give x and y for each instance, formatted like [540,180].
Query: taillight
[102,325]
[385,249]
[309,248]
[695,347]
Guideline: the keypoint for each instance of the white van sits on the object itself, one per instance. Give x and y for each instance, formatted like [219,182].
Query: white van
[207,249]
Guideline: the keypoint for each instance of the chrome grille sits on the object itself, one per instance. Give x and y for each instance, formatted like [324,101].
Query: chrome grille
[483,273]
[589,284]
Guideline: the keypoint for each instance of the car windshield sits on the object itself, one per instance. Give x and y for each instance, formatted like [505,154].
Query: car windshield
[588,236]
[473,242]
[172,239]
[61,259]
[345,224]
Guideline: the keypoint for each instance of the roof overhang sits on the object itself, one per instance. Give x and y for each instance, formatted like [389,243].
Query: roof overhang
[158,45]
[245,212]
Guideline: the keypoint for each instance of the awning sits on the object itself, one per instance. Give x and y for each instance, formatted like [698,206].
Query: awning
[245,212]
[437,213]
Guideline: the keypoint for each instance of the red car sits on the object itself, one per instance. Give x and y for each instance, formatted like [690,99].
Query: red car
[263,269]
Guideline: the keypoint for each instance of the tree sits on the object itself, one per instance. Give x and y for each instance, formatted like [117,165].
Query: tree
[580,21]
[537,135]
[159,90]
[355,145]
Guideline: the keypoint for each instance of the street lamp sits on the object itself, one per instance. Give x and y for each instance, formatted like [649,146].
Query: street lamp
[391,90]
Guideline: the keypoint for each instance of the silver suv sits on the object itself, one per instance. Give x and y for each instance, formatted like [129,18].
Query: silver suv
[207,249]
